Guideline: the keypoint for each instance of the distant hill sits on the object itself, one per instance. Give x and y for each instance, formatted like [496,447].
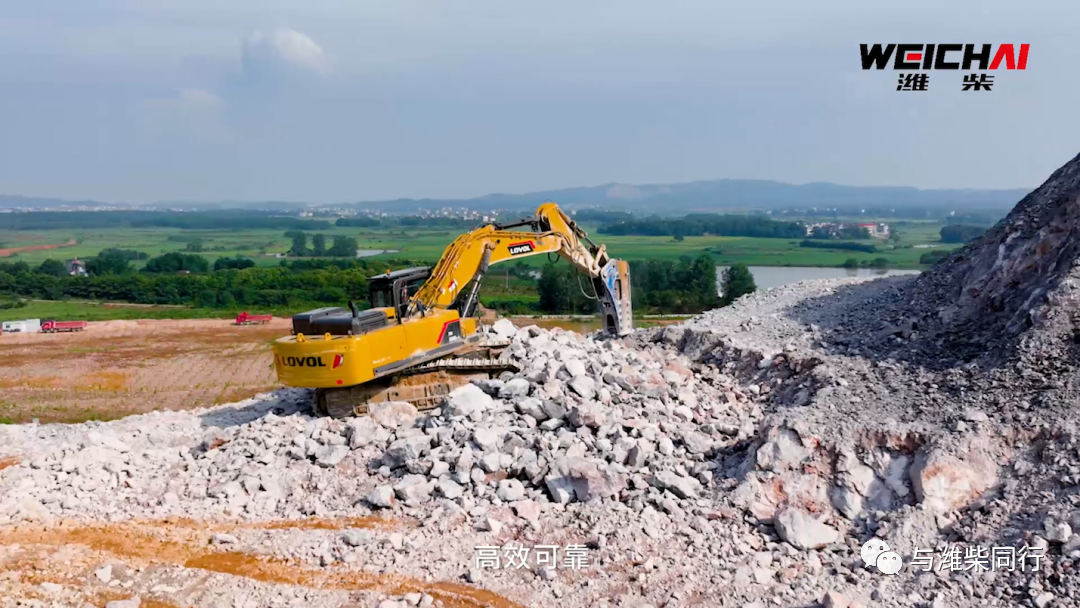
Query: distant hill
[31,202]
[703,196]
[722,194]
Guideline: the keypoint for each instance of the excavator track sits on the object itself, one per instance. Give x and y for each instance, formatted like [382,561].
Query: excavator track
[423,385]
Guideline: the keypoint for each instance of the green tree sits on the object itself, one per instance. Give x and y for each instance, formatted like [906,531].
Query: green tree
[933,257]
[238,263]
[194,245]
[738,281]
[299,244]
[850,263]
[880,263]
[959,233]
[175,262]
[552,289]
[318,245]
[109,261]
[343,247]
[52,267]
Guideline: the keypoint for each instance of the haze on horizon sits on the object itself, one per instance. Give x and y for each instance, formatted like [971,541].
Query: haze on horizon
[322,101]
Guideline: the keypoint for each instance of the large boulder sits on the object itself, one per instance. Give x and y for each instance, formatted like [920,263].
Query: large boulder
[467,400]
[803,531]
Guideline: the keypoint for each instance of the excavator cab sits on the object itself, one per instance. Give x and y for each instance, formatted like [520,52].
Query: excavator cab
[393,289]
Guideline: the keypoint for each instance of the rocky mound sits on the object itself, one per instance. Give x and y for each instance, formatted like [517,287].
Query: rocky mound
[1013,288]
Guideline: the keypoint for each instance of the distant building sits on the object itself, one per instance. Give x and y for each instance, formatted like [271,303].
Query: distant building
[76,267]
[836,230]
[877,231]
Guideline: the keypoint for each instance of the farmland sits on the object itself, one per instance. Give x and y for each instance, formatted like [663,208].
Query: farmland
[406,245]
[119,368]
[426,245]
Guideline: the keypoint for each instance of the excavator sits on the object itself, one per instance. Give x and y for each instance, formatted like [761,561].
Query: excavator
[421,338]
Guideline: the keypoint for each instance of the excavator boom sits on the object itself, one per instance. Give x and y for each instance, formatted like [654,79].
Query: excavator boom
[469,256]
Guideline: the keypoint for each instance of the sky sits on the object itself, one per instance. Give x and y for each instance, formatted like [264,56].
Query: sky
[337,101]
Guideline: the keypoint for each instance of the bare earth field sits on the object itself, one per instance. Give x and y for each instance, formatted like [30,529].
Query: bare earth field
[119,368]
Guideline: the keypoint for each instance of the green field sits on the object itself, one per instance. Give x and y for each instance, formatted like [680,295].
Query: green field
[422,246]
[427,245]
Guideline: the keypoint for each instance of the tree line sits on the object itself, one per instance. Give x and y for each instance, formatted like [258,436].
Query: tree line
[687,285]
[341,246]
[846,246]
[960,233]
[706,224]
[229,286]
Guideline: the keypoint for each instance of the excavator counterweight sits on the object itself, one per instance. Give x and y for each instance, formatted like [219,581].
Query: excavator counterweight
[420,338]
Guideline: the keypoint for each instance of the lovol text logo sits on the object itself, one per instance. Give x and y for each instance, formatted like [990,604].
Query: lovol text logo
[926,57]
[304,362]
[520,248]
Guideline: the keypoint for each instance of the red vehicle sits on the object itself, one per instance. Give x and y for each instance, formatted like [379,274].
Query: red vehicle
[245,319]
[52,327]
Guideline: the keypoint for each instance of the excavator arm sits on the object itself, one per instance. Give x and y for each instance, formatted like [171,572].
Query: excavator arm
[466,260]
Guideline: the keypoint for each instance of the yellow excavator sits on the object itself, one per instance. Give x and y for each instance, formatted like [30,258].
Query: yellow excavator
[420,338]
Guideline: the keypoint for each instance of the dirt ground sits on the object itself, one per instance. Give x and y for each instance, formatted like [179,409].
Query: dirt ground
[118,368]
[68,553]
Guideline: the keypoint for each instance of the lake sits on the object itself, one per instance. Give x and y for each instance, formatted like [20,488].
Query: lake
[367,253]
[766,277]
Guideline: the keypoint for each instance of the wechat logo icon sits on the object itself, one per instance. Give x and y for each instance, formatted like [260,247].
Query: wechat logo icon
[875,552]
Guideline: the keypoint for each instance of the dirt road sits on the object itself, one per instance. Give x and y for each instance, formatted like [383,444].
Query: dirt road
[10,251]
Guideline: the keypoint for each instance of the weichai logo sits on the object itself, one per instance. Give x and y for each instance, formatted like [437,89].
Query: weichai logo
[920,59]
[944,56]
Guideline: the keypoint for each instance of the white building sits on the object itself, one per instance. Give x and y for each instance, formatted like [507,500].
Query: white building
[29,326]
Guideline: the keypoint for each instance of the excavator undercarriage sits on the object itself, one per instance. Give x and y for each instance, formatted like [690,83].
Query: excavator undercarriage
[424,386]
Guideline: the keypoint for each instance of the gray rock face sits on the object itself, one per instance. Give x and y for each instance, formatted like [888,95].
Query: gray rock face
[382,496]
[487,439]
[804,531]
[683,487]
[584,386]
[393,414]
[587,414]
[510,490]
[356,538]
[697,443]
[331,456]
[465,400]
[1056,531]
[531,406]
[576,368]
[408,448]
[592,480]
[514,388]
[783,451]
[504,328]
[560,487]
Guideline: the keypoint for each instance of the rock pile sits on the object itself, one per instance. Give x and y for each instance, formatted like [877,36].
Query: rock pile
[585,420]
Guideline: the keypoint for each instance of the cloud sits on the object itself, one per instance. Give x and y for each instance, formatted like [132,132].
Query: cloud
[282,49]
[190,99]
